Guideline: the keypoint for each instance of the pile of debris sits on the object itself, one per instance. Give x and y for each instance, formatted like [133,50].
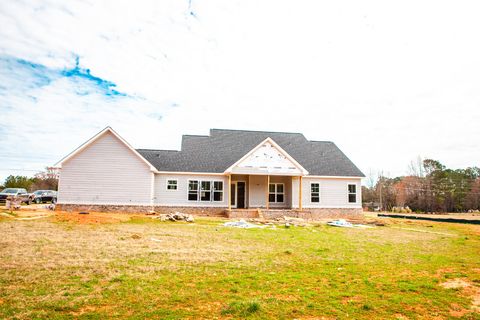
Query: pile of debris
[175,216]
[345,224]
[264,223]
[242,224]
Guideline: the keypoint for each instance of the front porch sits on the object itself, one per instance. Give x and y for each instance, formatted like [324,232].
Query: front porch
[265,178]
[261,213]
[266,192]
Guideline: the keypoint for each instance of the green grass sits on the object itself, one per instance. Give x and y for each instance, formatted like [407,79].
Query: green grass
[60,270]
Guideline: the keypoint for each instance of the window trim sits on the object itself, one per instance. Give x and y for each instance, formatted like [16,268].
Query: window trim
[217,191]
[211,190]
[276,192]
[188,189]
[168,184]
[352,193]
[312,193]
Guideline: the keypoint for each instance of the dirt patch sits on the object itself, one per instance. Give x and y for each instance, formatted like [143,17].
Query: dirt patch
[469,290]
[354,299]
[92,218]
[458,311]
[455,284]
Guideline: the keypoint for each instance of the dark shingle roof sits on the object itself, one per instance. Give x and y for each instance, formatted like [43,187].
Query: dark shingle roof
[222,148]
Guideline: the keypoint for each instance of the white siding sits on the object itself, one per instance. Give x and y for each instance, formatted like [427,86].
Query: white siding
[258,191]
[287,185]
[179,197]
[105,172]
[333,192]
[257,187]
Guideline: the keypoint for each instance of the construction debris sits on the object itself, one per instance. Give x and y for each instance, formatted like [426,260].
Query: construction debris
[345,224]
[175,216]
[242,224]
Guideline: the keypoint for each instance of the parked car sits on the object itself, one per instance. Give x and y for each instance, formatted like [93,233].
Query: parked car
[42,196]
[16,192]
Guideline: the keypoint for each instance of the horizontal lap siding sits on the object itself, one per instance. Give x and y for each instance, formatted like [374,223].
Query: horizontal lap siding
[333,193]
[105,172]
[257,191]
[287,189]
[179,197]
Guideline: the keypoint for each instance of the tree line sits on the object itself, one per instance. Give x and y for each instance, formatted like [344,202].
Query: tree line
[44,180]
[429,187]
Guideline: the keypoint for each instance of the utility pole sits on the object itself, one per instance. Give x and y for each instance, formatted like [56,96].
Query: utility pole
[381,200]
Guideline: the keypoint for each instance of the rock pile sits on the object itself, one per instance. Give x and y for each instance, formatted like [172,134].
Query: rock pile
[175,216]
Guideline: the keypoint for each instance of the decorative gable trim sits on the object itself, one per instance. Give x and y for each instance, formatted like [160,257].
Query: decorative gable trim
[270,141]
[95,138]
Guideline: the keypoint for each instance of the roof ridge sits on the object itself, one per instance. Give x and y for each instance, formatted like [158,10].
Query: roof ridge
[217,129]
[195,135]
[327,141]
[157,150]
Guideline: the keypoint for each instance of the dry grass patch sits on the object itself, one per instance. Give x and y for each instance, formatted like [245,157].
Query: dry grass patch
[104,265]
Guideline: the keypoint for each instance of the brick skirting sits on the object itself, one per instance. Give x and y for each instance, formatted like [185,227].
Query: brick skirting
[309,214]
[198,211]
[331,213]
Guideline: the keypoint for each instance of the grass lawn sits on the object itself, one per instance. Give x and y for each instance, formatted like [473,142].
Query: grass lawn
[56,268]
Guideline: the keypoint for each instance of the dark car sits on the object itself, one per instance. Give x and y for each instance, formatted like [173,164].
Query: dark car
[20,193]
[42,196]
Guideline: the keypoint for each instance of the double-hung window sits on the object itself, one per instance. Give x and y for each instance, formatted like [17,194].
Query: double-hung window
[205,190]
[315,192]
[276,193]
[352,193]
[172,184]
[193,190]
[217,190]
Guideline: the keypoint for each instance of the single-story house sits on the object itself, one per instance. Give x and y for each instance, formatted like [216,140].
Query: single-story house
[229,172]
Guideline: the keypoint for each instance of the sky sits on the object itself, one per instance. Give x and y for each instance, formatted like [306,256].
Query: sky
[387,81]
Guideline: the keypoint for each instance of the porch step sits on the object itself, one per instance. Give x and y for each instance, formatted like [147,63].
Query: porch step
[242,213]
[262,213]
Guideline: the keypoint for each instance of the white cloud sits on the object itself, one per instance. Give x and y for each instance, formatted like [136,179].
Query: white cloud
[385,81]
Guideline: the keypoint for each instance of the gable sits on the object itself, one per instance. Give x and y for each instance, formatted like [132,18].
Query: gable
[107,144]
[267,158]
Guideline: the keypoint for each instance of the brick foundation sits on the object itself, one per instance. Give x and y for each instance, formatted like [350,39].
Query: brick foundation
[332,213]
[198,211]
[244,213]
[309,214]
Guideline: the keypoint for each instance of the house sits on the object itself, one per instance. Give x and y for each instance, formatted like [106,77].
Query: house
[229,172]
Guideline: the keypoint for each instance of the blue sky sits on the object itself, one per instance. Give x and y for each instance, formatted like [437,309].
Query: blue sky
[387,82]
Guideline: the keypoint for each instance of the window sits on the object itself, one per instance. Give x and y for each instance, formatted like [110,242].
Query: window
[171,184]
[315,192]
[205,191]
[352,193]
[217,190]
[276,193]
[193,190]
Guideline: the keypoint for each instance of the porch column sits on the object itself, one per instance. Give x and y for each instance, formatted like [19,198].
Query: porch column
[300,193]
[229,192]
[268,186]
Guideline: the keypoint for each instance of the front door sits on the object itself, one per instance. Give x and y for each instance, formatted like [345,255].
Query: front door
[237,190]
[240,194]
